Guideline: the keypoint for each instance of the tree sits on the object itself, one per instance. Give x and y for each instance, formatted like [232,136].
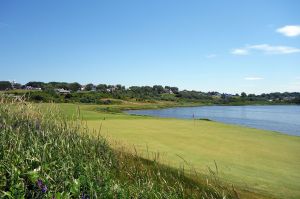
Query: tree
[175,90]
[5,85]
[89,87]
[101,87]
[120,87]
[17,86]
[74,86]
[63,85]
[251,97]
[158,89]
[223,96]
[36,84]
[243,95]
[297,100]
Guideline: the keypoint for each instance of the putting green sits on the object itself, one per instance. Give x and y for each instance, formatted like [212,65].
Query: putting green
[252,159]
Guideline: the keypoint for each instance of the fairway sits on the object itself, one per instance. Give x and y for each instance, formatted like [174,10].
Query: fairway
[255,160]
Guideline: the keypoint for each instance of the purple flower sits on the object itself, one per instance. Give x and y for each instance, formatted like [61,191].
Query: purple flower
[39,183]
[41,186]
[44,189]
[83,196]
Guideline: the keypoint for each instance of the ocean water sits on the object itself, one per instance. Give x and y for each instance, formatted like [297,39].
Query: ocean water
[280,118]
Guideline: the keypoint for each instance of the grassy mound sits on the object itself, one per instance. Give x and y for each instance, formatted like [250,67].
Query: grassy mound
[43,155]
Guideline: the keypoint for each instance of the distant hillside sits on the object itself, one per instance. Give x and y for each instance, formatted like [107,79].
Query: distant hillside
[90,93]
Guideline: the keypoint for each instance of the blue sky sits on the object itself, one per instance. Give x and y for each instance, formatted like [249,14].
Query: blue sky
[226,46]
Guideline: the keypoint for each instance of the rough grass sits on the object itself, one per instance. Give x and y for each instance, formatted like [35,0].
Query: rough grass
[45,155]
[254,160]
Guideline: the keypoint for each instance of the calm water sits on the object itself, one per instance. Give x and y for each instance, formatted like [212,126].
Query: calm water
[280,118]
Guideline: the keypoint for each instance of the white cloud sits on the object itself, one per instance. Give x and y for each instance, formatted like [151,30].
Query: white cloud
[211,56]
[266,48]
[289,31]
[240,51]
[275,49]
[253,78]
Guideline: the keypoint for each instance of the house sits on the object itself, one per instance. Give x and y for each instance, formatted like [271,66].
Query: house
[62,91]
[112,89]
[32,88]
[168,91]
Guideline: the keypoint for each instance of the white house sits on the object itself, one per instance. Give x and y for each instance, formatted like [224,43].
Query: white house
[62,91]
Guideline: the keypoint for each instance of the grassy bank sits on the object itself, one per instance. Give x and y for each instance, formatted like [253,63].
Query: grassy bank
[254,160]
[45,155]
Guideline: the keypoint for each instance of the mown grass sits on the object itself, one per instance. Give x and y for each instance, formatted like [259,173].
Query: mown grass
[252,159]
[255,161]
[45,155]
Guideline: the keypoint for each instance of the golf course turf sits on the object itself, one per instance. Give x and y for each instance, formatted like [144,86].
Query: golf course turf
[253,160]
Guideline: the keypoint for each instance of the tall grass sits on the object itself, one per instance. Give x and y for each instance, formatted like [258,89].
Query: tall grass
[45,155]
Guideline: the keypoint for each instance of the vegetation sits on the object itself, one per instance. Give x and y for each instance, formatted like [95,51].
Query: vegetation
[44,155]
[257,162]
[95,93]
[5,85]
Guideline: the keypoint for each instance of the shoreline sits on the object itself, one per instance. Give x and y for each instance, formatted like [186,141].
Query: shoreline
[209,119]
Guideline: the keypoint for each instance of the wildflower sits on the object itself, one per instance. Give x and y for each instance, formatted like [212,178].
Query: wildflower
[39,183]
[42,186]
[83,196]
[44,189]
